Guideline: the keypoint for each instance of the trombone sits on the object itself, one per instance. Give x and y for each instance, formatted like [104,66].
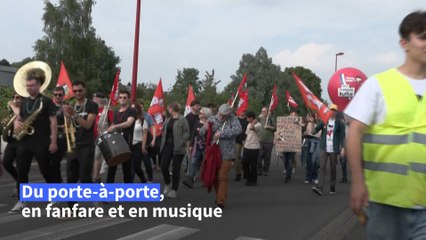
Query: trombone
[69,134]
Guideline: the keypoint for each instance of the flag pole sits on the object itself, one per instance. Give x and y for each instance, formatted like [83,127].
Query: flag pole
[269,108]
[136,52]
[235,98]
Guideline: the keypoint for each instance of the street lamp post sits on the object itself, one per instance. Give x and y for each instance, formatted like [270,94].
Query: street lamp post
[335,64]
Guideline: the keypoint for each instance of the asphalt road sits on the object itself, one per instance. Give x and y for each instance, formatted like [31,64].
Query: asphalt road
[271,210]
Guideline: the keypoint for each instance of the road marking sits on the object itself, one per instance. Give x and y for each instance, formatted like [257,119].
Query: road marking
[162,232]
[69,229]
[248,238]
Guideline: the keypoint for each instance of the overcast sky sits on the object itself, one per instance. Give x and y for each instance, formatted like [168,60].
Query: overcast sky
[214,34]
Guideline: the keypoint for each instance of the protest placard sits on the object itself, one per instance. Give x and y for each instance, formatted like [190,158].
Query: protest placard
[288,137]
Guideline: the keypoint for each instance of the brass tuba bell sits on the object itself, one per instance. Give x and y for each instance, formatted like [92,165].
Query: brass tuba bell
[19,81]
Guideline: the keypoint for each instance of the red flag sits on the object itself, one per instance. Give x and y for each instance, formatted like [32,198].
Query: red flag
[189,99]
[114,91]
[243,82]
[290,100]
[312,101]
[243,103]
[65,82]
[274,99]
[231,101]
[156,108]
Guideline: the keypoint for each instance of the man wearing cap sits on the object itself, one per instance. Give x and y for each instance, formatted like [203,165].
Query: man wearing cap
[226,127]
[331,142]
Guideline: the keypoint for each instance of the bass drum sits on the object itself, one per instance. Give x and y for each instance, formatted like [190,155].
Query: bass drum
[114,148]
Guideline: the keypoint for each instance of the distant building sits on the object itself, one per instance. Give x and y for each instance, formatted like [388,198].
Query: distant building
[6,76]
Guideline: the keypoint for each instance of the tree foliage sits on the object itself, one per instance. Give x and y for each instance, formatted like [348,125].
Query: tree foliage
[184,78]
[70,37]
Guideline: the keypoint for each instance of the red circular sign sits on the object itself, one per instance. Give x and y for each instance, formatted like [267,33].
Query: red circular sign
[344,84]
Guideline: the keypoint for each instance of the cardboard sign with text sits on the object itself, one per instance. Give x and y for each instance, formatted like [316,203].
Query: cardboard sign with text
[288,137]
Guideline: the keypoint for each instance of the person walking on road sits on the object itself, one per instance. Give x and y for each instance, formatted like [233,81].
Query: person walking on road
[332,138]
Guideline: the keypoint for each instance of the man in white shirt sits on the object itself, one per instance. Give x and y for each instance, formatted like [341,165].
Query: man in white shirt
[386,147]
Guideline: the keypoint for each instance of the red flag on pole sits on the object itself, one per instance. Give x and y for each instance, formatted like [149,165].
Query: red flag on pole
[243,103]
[189,99]
[233,98]
[156,107]
[290,100]
[274,99]
[113,96]
[312,101]
[242,84]
[65,82]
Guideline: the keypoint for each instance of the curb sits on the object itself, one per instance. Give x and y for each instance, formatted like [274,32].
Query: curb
[344,226]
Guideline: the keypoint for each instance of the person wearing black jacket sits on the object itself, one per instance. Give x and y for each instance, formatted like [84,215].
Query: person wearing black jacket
[239,146]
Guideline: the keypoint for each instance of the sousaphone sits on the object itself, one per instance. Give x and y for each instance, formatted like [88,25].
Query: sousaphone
[19,81]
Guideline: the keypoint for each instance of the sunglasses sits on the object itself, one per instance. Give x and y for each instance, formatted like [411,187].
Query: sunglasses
[77,90]
[121,97]
[58,94]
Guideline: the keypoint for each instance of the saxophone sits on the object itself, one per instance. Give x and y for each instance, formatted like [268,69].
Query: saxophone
[7,124]
[27,128]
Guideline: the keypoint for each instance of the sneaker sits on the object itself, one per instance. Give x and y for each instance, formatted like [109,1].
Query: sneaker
[166,189]
[332,190]
[306,181]
[17,208]
[171,194]
[317,190]
[188,181]
[221,206]
[316,181]
[293,171]
[284,171]
[287,179]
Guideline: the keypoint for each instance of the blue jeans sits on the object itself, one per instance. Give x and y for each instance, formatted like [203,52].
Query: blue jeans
[394,223]
[288,162]
[343,163]
[195,163]
[311,153]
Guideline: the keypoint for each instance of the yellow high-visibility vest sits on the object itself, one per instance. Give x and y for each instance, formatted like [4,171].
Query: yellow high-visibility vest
[394,152]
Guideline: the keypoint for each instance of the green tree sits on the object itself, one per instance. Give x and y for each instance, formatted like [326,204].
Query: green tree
[71,38]
[262,74]
[4,62]
[180,88]
[209,89]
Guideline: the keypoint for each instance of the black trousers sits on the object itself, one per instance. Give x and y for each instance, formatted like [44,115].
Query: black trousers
[24,155]
[137,161]
[9,157]
[127,172]
[166,158]
[80,164]
[55,160]
[250,158]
